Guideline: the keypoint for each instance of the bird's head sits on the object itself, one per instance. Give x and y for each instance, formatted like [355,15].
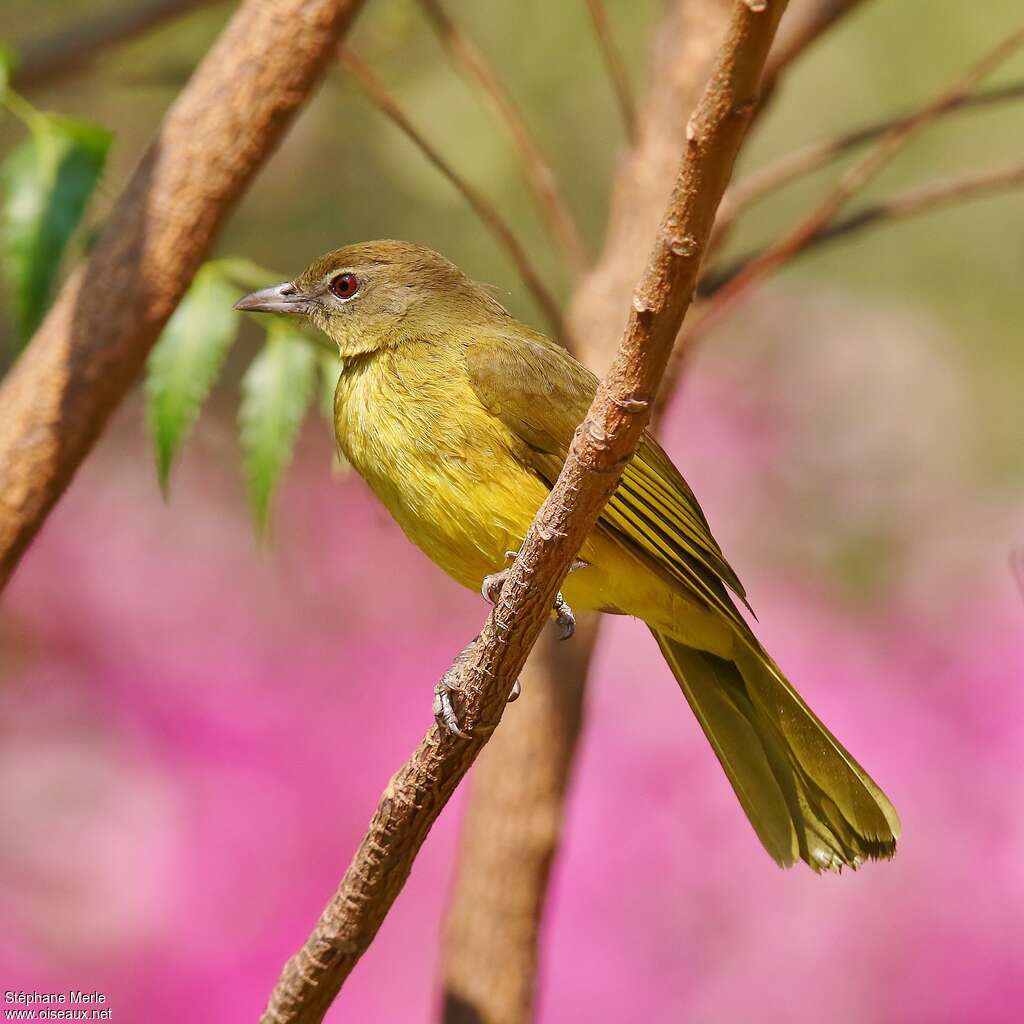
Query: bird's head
[377,295]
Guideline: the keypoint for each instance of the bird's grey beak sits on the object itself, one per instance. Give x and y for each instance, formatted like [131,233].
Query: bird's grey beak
[282,298]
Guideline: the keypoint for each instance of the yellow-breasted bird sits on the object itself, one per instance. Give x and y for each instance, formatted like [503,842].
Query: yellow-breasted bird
[459,417]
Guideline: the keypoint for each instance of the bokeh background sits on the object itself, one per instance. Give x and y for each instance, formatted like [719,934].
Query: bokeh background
[195,729]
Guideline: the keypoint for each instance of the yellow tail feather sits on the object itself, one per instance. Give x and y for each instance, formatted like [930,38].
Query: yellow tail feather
[805,795]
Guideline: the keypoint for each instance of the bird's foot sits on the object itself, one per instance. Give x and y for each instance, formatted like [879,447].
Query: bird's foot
[565,621]
[490,589]
[444,708]
[444,711]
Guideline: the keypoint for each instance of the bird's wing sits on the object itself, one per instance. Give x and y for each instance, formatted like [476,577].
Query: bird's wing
[541,394]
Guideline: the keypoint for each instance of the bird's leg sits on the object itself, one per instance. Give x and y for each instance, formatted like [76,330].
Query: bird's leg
[564,618]
[444,710]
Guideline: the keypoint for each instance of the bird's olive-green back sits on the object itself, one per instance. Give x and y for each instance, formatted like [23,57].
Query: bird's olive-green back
[542,394]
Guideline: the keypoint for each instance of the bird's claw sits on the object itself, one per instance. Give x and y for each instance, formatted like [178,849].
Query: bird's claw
[444,709]
[565,621]
[490,589]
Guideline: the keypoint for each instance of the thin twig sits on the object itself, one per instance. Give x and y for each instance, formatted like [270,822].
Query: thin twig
[789,168]
[551,202]
[921,199]
[616,67]
[89,351]
[376,92]
[68,49]
[485,672]
[855,178]
[806,24]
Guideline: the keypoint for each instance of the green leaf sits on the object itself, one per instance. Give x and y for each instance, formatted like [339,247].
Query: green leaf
[277,389]
[47,181]
[185,362]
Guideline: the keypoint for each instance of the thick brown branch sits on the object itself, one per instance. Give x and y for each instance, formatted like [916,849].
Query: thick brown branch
[793,166]
[923,199]
[599,450]
[617,72]
[89,350]
[551,201]
[42,60]
[375,90]
[855,178]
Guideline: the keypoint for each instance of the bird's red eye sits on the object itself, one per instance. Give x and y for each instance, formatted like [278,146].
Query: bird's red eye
[345,285]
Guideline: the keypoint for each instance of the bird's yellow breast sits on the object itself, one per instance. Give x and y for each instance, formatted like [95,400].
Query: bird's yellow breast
[410,424]
[458,483]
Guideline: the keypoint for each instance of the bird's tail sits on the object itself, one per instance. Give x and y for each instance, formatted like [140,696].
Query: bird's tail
[804,794]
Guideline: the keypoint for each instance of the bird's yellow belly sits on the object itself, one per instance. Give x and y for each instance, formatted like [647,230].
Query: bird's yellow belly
[465,525]
[466,528]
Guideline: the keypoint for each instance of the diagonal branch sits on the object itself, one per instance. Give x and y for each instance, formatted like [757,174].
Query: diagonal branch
[93,343]
[616,67]
[792,166]
[855,178]
[806,24]
[600,449]
[376,92]
[511,826]
[554,208]
[42,60]
[509,835]
[925,198]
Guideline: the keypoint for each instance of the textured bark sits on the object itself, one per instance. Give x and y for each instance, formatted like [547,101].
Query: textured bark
[485,672]
[93,343]
[510,834]
[513,821]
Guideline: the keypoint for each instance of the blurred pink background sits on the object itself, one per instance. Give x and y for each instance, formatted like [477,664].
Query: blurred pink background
[195,732]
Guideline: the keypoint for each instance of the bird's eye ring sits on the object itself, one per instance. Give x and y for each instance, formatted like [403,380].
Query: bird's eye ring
[344,286]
